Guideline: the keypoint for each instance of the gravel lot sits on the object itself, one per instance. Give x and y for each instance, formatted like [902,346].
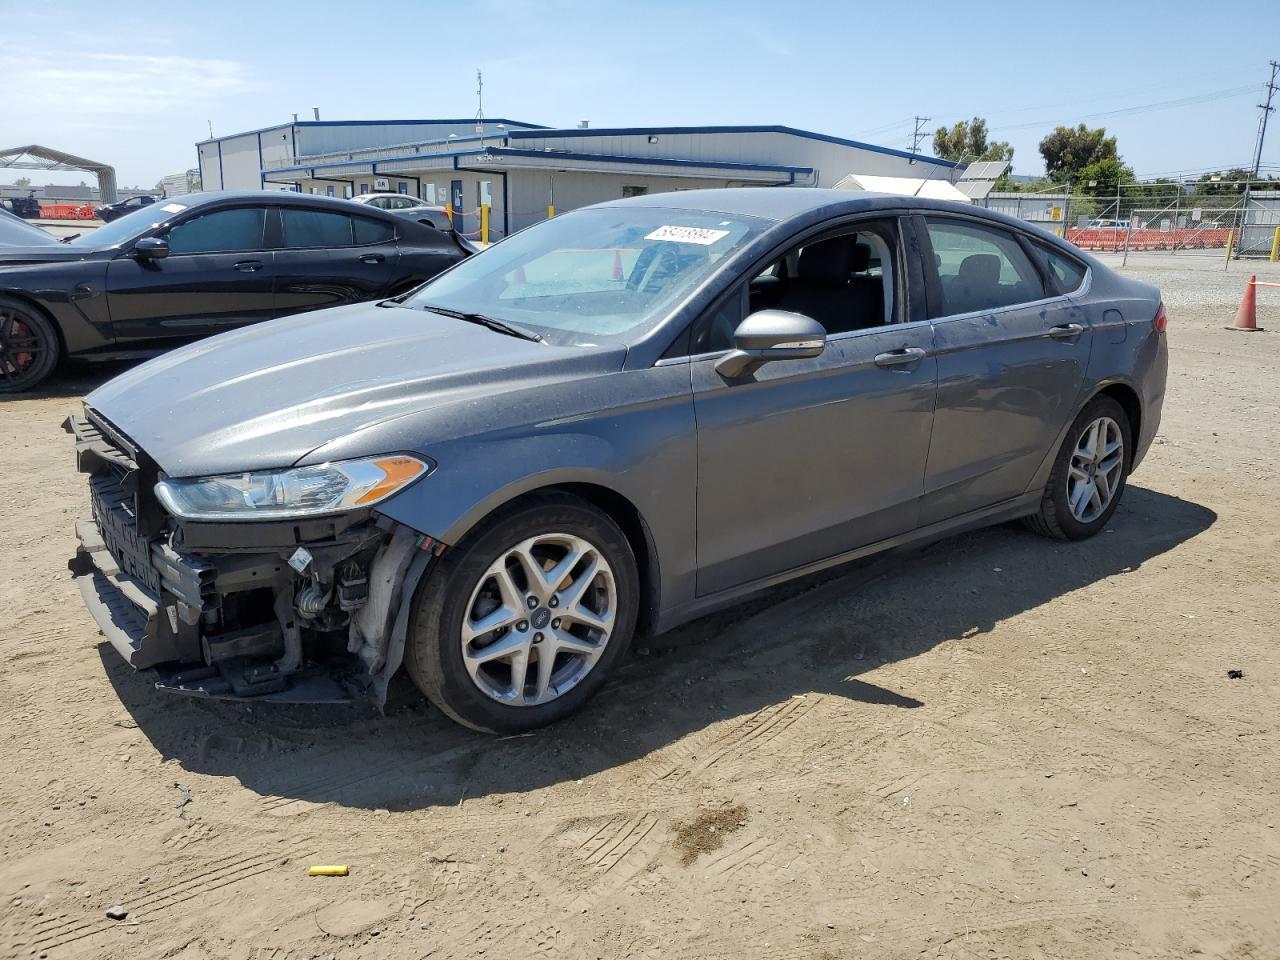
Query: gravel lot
[995,746]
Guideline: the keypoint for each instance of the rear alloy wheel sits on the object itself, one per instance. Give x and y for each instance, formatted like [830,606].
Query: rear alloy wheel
[28,346]
[1088,475]
[519,624]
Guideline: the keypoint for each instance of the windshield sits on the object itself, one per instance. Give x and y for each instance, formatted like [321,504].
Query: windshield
[130,225]
[17,233]
[601,273]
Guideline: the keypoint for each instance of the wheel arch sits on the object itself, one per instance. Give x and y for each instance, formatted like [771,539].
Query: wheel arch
[622,511]
[25,298]
[1128,398]
[1120,391]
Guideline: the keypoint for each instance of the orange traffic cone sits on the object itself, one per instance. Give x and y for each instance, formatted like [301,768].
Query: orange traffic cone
[1247,315]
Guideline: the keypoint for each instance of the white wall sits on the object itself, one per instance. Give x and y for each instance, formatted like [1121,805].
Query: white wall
[531,190]
[210,168]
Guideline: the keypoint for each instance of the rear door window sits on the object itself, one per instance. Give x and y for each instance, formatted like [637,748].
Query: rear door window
[224,231]
[316,228]
[980,267]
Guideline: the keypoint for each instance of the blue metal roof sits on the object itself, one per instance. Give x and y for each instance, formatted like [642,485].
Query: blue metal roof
[772,128]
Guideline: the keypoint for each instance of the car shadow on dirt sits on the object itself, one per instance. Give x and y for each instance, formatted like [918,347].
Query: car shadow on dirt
[73,379]
[820,636]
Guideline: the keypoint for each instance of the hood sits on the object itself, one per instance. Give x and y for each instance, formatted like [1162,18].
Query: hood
[268,395]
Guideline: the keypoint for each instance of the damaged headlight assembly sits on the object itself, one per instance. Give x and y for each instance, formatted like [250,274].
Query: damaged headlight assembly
[293,492]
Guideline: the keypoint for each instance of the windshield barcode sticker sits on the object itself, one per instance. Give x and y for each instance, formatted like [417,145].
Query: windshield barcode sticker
[701,235]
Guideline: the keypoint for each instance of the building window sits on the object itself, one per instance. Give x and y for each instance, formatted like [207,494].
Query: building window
[402,187]
[364,188]
[328,191]
[346,191]
[634,191]
[429,193]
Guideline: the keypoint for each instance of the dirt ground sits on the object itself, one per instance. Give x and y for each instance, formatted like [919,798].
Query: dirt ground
[995,746]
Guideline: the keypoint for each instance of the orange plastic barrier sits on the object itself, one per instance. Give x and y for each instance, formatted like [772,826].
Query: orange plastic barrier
[66,211]
[1183,238]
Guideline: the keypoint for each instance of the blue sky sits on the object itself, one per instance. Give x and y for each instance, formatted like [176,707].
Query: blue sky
[137,85]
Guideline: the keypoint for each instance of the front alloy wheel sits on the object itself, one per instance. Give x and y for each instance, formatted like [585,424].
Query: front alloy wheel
[539,620]
[29,347]
[520,623]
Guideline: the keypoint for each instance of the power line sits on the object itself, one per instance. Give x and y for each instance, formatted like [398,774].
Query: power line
[1145,107]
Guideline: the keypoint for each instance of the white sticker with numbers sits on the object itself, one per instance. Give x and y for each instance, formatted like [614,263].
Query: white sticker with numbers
[700,235]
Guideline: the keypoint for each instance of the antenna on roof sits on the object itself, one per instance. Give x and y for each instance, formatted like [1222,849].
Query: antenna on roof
[480,106]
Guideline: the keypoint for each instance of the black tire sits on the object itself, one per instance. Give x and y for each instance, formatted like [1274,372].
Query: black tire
[29,346]
[1054,518]
[433,648]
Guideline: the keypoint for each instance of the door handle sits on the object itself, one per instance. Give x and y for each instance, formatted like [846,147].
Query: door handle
[1066,331]
[899,358]
[372,258]
[249,266]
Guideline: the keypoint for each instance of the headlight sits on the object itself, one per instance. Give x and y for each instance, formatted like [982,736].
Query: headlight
[296,492]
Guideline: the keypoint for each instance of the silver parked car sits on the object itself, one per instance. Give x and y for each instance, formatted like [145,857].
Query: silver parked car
[609,424]
[407,205]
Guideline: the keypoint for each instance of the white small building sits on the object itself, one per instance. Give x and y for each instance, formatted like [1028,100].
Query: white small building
[525,172]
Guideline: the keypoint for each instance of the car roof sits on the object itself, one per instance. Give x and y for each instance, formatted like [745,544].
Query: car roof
[790,203]
[279,197]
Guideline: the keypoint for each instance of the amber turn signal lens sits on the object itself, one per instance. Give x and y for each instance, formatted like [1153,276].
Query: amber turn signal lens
[398,470]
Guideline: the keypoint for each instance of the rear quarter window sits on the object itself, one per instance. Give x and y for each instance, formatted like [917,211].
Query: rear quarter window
[372,231]
[1068,272]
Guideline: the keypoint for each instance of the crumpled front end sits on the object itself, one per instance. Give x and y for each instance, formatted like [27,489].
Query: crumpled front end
[303,610]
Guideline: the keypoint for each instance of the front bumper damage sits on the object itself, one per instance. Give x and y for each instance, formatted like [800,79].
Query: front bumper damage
[298,611]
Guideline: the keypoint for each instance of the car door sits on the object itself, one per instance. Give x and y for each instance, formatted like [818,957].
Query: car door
[808,459]
[1011,354]
[326,258]
[218,275]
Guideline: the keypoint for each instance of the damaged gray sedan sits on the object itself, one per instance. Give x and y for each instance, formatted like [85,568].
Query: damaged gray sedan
[604,426]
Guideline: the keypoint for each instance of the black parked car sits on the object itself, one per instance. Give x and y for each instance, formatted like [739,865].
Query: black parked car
[122,208]
[186,268]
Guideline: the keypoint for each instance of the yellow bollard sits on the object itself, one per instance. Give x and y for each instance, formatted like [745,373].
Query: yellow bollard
[484,224]
[448,211]
[551,210]
[1275,247]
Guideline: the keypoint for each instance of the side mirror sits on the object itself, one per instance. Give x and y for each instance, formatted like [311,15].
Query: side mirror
[772,335]
[151,248]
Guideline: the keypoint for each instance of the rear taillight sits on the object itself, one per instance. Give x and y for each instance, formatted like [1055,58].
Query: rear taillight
[1160,320]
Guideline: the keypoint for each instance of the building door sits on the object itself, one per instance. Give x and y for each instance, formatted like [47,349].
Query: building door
[459,220]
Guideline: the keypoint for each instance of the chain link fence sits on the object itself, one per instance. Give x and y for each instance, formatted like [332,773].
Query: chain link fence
[1157,217]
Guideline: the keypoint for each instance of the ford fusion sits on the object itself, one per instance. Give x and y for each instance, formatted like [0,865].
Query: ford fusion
[604,426]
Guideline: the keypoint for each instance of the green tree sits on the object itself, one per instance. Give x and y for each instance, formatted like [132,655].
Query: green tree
[1222,182]
[1068,151]
[1103,178]
[967,141]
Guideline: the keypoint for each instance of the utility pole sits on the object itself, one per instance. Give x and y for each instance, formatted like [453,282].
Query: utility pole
[1267,109]
[918,135]
[480,106]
